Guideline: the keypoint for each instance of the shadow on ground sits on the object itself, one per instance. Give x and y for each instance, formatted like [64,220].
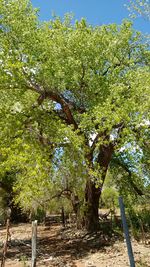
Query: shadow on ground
[55,242]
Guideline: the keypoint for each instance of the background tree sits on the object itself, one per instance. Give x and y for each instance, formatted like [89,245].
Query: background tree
[139,8]
[70,87]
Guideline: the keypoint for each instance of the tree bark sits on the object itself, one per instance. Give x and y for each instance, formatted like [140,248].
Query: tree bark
[92,196]
[93,193]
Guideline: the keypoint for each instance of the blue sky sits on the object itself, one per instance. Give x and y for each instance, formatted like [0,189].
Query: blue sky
[97,12]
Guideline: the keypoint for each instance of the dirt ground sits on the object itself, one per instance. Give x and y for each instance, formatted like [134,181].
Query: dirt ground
[70,248]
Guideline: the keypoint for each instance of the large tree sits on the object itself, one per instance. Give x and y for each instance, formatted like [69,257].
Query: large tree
[81,92]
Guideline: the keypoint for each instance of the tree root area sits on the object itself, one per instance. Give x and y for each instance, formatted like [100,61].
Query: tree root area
[69,247]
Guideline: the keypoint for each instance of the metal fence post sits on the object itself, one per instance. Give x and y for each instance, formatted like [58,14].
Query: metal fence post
[126,232]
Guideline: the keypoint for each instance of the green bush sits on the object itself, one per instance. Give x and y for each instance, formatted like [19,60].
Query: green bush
[110,198]
[38,215]
[139,220]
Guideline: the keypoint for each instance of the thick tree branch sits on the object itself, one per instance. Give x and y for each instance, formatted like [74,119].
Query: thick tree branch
[72,104]
[64,105]
[105,155]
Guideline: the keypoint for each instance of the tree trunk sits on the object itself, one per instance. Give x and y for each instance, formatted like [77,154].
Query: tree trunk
[76,208]
[92,193]
[92,196]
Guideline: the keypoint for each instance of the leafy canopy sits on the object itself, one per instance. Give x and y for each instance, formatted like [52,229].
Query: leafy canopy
[67,89]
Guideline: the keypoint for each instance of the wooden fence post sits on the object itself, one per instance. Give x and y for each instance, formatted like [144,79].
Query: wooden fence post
[126,232]
[34,240]
[5,243]
[63,217]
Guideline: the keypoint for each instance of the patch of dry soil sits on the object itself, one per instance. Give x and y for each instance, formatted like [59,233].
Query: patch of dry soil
[69,248]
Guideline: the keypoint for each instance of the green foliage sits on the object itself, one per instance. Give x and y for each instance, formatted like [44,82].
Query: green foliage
[110,198]
[110,194]
[68,91]
[139,221]
[139,8]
